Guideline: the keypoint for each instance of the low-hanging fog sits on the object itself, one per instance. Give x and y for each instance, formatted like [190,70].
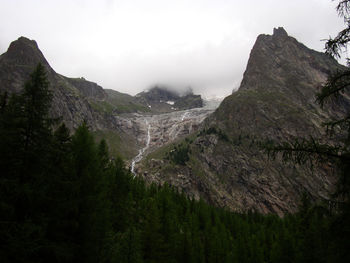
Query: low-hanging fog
[130,45]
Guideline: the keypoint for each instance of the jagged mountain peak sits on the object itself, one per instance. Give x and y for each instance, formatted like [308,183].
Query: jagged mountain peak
[279,63]
[22,42]
[24,51]
[280,32]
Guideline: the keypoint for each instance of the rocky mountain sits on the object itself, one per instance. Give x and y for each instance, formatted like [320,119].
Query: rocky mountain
[222,163]
[115,116]
[70,95]
[161,99]
[74,99]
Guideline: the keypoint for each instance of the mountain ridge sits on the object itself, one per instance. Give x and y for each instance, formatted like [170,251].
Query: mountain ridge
[78,100]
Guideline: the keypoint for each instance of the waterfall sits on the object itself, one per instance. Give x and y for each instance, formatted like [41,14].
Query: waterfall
[142,151]
[184,115]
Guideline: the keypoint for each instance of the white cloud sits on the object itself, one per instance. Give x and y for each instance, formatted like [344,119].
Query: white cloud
[129,45]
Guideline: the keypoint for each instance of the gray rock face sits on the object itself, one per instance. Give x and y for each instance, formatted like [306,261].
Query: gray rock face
[279,63]
[18,62]
[163,99]
[276,100]
[88,89]
[162,129]
[280,32]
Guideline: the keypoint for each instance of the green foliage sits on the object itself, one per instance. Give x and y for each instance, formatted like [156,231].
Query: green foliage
[179,154]
[102,106]
[212,130]
[119,144]
[53,186]
[334,46]
[124,103]
[302,151]
[131,107]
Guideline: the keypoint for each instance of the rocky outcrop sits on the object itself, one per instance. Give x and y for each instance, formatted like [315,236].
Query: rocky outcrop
[189,101]
[276,101]
[22,56]
[163,128]
[164,99]
[87,88]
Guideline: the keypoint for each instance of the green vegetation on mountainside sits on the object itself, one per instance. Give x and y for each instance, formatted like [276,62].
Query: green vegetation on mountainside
[124,103]
[120,145]
[63,199]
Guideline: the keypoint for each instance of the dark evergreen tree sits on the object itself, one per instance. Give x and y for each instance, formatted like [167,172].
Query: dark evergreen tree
[91,193]
[25,141]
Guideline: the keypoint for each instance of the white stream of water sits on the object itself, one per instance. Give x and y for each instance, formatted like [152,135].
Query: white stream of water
[184,115]
[173,131]
[141,151]
[165,128]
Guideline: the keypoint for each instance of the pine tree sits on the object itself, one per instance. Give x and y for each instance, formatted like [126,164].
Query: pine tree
[91,195]
[25,144]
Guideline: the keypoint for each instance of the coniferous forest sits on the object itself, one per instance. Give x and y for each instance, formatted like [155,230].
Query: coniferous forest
[63,199]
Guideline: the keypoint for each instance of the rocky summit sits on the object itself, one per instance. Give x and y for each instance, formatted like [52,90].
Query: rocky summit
[222,162]
[161,99]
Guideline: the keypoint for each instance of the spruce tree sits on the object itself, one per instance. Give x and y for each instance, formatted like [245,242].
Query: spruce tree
[25,141]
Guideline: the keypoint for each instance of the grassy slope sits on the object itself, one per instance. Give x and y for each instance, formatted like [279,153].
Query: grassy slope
[124,103]
[120,144]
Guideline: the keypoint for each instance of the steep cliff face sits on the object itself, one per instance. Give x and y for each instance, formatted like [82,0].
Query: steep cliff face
[279,63]
[276,100]
[18,62]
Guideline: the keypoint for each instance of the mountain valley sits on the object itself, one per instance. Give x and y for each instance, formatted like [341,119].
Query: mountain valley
[223,163]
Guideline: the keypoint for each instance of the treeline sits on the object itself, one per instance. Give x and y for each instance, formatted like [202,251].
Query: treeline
[63,199]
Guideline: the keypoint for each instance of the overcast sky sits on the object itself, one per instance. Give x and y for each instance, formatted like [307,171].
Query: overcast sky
[128,45]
